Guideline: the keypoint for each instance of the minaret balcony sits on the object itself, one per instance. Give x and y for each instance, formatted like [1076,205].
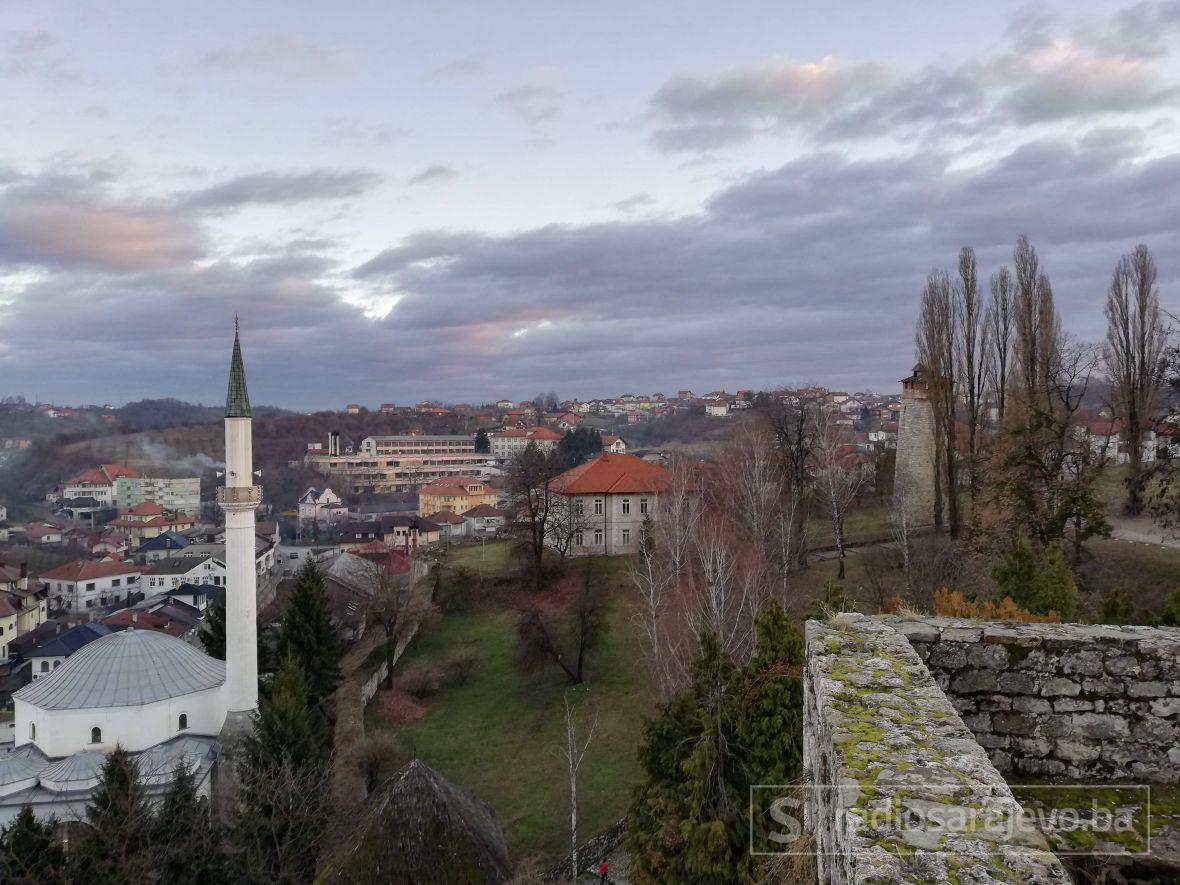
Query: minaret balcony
[239,495]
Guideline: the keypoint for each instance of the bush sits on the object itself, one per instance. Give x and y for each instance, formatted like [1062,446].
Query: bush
[422,680]
[1039,583]
[952,604]
[1116,608]
[1171,614]
[460,665]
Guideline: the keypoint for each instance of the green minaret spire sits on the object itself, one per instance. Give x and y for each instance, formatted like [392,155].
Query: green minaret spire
[237,401]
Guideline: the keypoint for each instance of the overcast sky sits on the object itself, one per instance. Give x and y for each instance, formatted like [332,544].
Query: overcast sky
[469,200]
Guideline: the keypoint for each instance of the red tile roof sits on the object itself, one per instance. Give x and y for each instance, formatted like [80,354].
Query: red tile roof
[531,433]
[146,508]
[612,474]
[143,620]
[446,516]
[485,510]
[86,570]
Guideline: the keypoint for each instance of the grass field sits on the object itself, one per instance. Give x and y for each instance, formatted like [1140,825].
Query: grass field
[498,734]
[1146,572]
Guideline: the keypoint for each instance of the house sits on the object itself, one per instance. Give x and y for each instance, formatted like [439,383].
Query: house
[82,585]
[717,409]
[43,533]
[614,444]
[3,513]
[395,531]
[569,421]
[1108,442]
[609,497]
[509,443]
[148,519]
[483,521]
[352,409]
[97,483]
[458,494]
[321,506]
[22,605]
[168,574]
[163,546]
[450,524]
[144,620]
[505,404]
[48,655]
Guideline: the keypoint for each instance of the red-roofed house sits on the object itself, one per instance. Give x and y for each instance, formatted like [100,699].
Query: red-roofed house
[147,520]
[614,444]
[43,533]
[508,443]
[98,483]
[83,585]
[609,498]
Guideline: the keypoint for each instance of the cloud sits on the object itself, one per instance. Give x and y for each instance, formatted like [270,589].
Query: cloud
[460,67]
[277,188]
[278,51]
[1043,75]
[635,202]
[31,55]
[360,133]
[532,103]
[433,173]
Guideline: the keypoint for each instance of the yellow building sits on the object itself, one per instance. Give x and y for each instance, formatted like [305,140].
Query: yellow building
[457,495]
[23,606]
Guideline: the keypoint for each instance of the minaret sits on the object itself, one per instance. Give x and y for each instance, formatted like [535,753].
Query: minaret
[238,499]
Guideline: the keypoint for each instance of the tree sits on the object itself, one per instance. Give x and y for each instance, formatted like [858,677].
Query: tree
[791,419]
[308,634]
[999,324]
[1134,351]
[31,853]
[840,477]
[540,641]
[213,633]
[1038,582]
[936,336]
[971,360]
[573,752]
[770,721]
[531,495]
[184,838]
[117,847]
[483,444]
[395,606]
[654,582]
[289,727]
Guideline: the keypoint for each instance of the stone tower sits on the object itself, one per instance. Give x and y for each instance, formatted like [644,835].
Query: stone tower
[238,498]
[913,476]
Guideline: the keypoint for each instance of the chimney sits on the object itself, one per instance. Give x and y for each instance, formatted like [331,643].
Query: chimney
[24,569]
[135,617]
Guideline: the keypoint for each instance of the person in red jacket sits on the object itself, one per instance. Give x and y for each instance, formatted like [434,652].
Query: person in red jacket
[603,869]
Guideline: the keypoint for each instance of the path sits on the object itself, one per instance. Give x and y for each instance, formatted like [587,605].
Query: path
[1142,530]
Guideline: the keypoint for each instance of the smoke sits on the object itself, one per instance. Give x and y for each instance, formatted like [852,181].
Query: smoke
[157,453]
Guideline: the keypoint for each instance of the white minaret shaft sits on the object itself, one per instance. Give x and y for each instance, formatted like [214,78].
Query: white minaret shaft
[238,499]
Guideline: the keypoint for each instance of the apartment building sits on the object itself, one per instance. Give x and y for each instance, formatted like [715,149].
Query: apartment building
[509,443]
[383,464]
[177,495]
[609,498]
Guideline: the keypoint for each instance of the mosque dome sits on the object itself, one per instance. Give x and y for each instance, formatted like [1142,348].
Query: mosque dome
[125,669]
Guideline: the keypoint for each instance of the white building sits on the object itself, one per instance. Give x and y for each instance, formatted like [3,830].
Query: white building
[322,506]
[509,443]
[176,495]
[97,483]
[168,574]
[608,499]
[83,585]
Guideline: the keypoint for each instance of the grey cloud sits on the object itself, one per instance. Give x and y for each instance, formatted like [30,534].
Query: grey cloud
[635,202]
[460,67]
[278,50]
[532,103]
[277,188]
[433,173]
[358,133]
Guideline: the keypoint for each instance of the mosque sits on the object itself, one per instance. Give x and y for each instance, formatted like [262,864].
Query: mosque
[160,698]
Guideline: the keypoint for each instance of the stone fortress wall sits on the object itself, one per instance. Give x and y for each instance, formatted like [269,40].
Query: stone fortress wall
[908,721]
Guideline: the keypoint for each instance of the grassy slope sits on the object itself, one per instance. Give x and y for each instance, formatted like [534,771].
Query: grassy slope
[498,735]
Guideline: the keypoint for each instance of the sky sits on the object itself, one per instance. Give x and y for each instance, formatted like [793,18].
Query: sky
[464,201]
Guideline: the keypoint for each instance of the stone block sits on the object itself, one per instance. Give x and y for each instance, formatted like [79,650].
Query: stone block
[1085,663]
[994,741]
[1056,725]
[1018,683]
[1100,726]
[1147,689]
[1122,665]
[917,631]
[989,657]
[1000,759]
[1028,704]
[1155,730]
[962,634]
[1109,687]
[1013,723]
[1040,766]
[1076,751]
[978,722]
[972,681]
[1035,747]
[1071,705]
[1057,685]
[1167,707]
[992,703]
[947,656]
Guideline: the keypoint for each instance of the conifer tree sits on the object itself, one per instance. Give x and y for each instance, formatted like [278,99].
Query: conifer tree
[288,728]
[770,722]
[308,633]
[30,853]
[186,843]
[483,443]
[213,635]
[116,848]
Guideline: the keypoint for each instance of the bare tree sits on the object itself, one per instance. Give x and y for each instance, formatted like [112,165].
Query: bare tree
[840,476]
[730,589]
[531,495]
[1037,335]
[999,325]
[541,639]
[791,419]
[1133,355]
[395,606]
[565,523]
[972,352]
[655,582]
[574,752]
[936,336]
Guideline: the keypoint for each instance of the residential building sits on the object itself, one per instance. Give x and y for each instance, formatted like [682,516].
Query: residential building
[1108,442]
[483,521]
[508,443]
[614,444]
[609,497]
[83,585]
[3,513]
[395,531]
[385,464]
[168,574]
[450,524]
[176,495]
[48,655]
[147,520]
[321,506]
[163,546]
[97,483]
[461,493]
[22,605]
[38,533]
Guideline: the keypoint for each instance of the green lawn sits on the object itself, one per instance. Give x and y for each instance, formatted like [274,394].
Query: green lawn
[489,558]
[498,735]
[1146,572]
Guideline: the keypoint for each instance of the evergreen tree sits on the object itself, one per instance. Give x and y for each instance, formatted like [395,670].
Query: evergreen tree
[308,633]
[30,853]
[213,635]
[185,841]
[770,722]
[289,726]
[1039,583]
[117,847]
[483,444]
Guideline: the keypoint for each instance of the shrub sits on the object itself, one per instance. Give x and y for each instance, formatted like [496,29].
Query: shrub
[1116,608]
[1171,613]
[422,680]
[1039,583]
[460,665]
[952,604]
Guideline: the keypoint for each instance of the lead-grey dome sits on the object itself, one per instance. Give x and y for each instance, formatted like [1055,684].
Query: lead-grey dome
[125,669]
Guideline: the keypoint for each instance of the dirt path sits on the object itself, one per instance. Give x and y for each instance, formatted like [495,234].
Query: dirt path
[1142,530]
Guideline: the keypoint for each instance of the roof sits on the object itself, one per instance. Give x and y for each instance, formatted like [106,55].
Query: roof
[149,622]
[177,565]
[485,510]
[66,643]
[123,669]
[37,529]
[154,522]
[237,399]
[86,570]
[448,517]
[165,541]
[530,433]
[146,508]
[612,474]
[456,486]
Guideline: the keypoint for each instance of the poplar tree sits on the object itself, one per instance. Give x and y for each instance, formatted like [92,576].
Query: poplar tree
[309,635]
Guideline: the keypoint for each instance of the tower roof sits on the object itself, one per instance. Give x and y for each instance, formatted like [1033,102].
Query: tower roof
[237,400]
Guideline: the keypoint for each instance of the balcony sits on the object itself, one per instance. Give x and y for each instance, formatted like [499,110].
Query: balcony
[239,495]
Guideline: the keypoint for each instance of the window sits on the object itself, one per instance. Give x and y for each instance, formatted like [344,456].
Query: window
[643,505]
[90,587]
[96,735]
[32,731]
[578,542]
[598,537]
[183,724]
[45,666]
[626,536]
[579,507]
[90,603]
[598,506]
[115,582]
[626,506]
